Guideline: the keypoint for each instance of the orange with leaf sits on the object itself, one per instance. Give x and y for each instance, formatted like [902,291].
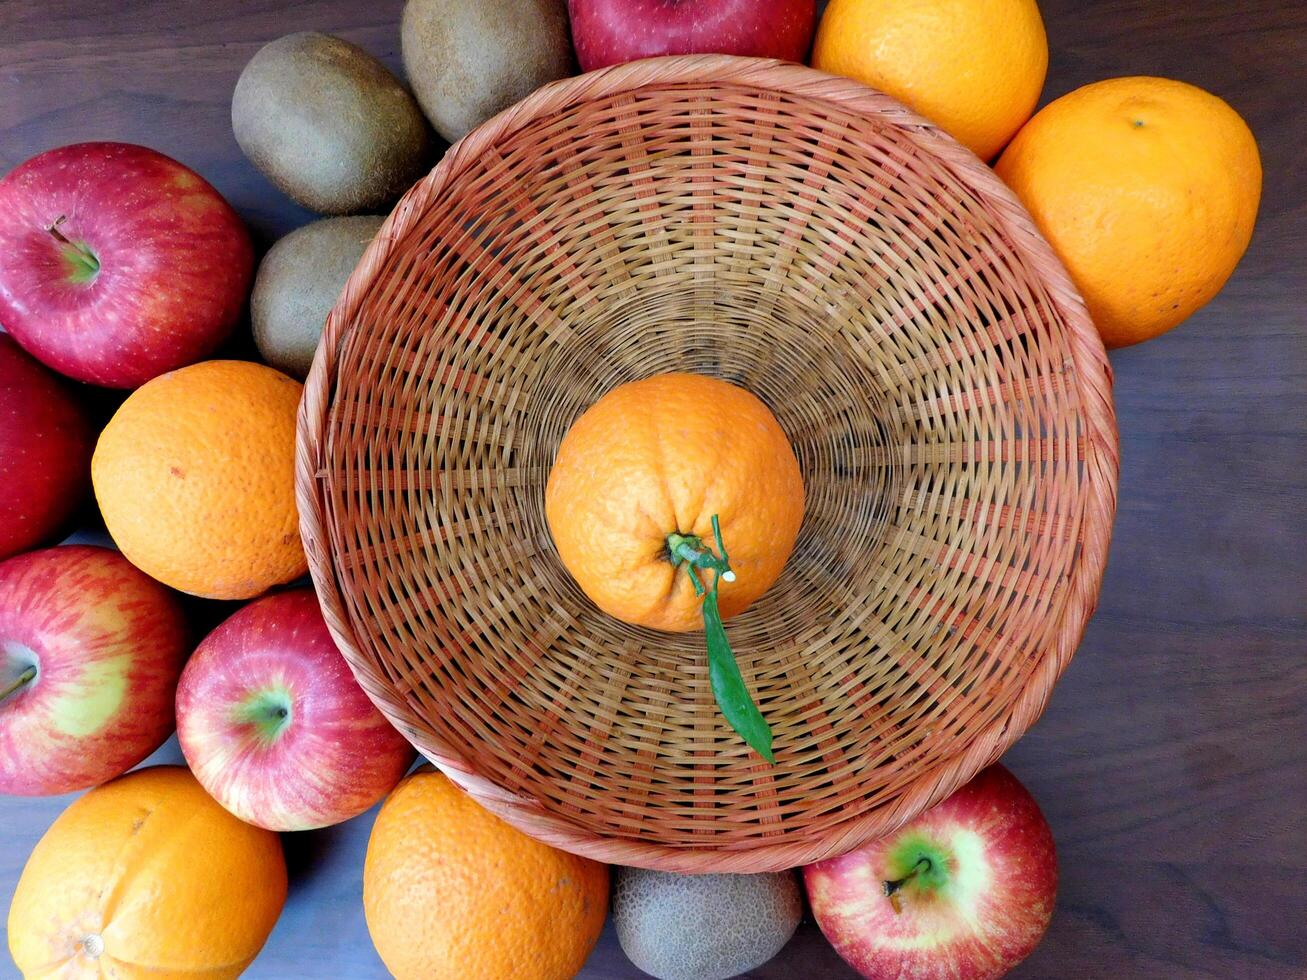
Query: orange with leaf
[651,486]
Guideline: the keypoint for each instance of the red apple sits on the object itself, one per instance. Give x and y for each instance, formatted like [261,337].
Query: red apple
[45,451]
[608,32]
[117,263]
[963,892]
[274,725]
[90,651]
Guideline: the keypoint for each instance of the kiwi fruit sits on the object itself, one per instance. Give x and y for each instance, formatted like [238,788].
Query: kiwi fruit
[703,927]
[298,283]
[468,60]
[329,124]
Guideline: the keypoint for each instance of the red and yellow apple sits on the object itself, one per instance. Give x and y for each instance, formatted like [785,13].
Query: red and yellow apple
[45,451]
[117,263]
[964,892]
[274,725]
[609,32]
[90,652]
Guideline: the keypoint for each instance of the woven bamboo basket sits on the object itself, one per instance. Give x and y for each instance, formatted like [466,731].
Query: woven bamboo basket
[874,283]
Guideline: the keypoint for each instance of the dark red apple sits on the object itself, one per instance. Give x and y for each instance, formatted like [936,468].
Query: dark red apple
[964,892]
[45,451]
[117,263]
[90,651]
[609,32]
[275,727]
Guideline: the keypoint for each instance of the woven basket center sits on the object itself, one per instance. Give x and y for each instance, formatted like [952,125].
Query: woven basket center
[819,385]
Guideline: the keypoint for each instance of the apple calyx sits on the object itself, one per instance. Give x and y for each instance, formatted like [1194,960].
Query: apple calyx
[23,679]
[83,266]
[924,864]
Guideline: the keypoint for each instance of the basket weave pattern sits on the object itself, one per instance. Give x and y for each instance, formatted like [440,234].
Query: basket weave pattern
[806,238]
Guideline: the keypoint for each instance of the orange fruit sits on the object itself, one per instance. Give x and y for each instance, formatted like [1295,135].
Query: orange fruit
[975,68]
[451,891]
[146,877]
[195,477]
[1147,188]
[659,457]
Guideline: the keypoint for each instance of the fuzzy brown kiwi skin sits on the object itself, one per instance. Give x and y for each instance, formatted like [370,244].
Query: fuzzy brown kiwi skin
[298,283]
[468,60]
[329,124]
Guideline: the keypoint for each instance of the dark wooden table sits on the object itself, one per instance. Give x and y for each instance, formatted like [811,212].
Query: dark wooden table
[1172,762]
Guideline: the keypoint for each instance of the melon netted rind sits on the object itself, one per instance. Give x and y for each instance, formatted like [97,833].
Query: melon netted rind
[703,927]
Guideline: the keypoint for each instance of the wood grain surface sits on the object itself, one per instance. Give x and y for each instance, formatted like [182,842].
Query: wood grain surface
[1172,763]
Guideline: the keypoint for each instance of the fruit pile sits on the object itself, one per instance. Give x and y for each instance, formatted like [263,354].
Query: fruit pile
[122,268]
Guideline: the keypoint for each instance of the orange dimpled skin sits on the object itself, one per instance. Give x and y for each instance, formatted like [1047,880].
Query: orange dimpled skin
[451,892]
[147,878]
[975,68]
[662,456]
[1147,189]
[195,477]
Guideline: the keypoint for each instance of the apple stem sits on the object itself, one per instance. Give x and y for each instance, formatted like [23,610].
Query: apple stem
[892,887]
[26,677]
[82,254]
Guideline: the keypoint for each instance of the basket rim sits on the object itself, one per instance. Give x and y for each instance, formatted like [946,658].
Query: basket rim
[1094,390]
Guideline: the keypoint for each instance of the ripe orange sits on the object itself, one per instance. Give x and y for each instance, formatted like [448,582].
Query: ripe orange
[975,68]
[147,877]
[661,456]
[195,476]
[1147,189]
[451,891]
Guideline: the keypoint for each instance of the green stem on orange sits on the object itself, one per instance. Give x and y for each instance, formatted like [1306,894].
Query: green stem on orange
[892,887]
[728,685]
[26,677]
[82,263]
